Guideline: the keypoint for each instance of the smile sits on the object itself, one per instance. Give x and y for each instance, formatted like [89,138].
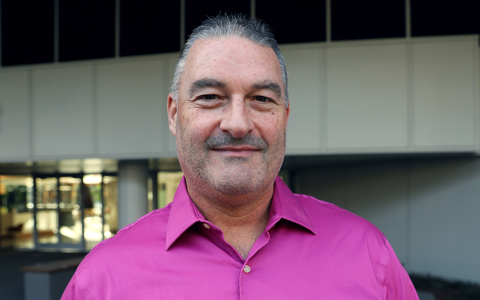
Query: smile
[236,151]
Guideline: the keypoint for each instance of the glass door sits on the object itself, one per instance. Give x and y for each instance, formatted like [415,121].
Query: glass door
[100,209]
[45,211]
[93,220]
[70,212]
[58,212]
[74,211]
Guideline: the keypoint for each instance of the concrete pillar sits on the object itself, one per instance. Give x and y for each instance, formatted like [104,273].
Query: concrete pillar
[132,191]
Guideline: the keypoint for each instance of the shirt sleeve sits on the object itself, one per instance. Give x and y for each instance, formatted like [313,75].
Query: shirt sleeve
[396,283]
[69,293]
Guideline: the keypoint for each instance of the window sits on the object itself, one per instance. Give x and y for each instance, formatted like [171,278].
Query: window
[86,29]
[431,17]
[149,27]
[197,11]
[27,32]
[303,22]
[353,19]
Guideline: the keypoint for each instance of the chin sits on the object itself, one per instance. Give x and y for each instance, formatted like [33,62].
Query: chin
[239,183]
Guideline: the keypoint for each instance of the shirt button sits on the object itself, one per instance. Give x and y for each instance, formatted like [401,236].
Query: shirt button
[206,225]
[246,269]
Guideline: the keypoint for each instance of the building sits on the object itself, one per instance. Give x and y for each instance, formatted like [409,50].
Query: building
[384,118]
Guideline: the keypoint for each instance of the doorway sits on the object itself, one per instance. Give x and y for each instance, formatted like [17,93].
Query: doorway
[74,211]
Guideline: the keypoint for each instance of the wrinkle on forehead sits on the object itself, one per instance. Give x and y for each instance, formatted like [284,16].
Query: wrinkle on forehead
[205,47]
[214,60]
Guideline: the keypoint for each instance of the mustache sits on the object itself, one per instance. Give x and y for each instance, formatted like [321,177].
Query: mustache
[225,140]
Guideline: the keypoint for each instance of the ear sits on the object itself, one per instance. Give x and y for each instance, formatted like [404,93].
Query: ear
[288,114]
[172,110]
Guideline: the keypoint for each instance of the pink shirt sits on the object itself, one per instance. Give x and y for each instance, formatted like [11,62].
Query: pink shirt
[310,250]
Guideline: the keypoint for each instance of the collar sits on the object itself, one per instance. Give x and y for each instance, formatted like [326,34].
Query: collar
[184,213]
[285,205]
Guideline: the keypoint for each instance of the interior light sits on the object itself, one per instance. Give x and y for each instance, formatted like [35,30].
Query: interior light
[92,179]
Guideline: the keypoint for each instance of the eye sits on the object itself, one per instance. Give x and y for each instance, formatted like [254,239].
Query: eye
[208,97]
[261,98]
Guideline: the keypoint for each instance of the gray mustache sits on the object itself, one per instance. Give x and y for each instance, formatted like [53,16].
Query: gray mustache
[228,140]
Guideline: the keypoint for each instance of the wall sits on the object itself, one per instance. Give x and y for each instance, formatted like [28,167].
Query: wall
[378,96]
[92,109]
[427,208]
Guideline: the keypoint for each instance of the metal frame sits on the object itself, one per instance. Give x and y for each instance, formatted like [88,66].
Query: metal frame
[154,178]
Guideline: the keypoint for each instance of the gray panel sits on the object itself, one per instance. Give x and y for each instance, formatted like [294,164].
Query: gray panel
[59,281]
[444,93]
[37,286]
[328,184]
[131,113]
[426,295]
[63,118]
[379,193]
[47,285]
[367,96]
[305,87]
[14,115]
[445,226]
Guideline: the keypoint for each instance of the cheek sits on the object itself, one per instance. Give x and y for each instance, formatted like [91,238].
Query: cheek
[198,125]
[272,127]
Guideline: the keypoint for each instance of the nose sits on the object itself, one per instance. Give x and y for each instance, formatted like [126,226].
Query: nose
[236,119]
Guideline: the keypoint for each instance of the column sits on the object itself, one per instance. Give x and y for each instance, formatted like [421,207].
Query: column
[132,191]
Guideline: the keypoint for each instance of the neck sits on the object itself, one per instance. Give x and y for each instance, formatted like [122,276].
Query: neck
[241,224]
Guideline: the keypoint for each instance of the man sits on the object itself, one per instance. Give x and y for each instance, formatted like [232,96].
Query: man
[234,229]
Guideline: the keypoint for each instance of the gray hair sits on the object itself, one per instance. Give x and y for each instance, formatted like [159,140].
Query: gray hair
[237,25]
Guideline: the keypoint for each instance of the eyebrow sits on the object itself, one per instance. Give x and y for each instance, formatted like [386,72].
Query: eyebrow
[268,85]
[205,83]
[213,83]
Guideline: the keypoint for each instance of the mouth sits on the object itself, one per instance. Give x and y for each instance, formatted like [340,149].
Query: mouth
[236,151]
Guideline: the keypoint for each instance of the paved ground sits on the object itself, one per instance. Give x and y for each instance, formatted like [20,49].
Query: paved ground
[11,278]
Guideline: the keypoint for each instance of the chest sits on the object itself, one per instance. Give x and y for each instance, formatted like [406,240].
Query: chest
[277,268]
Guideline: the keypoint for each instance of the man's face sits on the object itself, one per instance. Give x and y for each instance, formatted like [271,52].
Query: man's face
[230,120]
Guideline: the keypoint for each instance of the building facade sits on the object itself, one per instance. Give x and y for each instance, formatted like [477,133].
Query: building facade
[384,118]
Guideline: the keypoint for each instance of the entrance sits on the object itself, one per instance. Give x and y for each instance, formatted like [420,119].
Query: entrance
[70,210]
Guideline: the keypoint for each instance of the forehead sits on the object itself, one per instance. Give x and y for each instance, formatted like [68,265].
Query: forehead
[232,58]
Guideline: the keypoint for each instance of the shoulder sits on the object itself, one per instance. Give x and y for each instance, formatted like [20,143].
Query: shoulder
[315,208]
[343,228]
[113,265]
[358,243]
[329,218]
[153,223]
[129,249]
[136,239]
